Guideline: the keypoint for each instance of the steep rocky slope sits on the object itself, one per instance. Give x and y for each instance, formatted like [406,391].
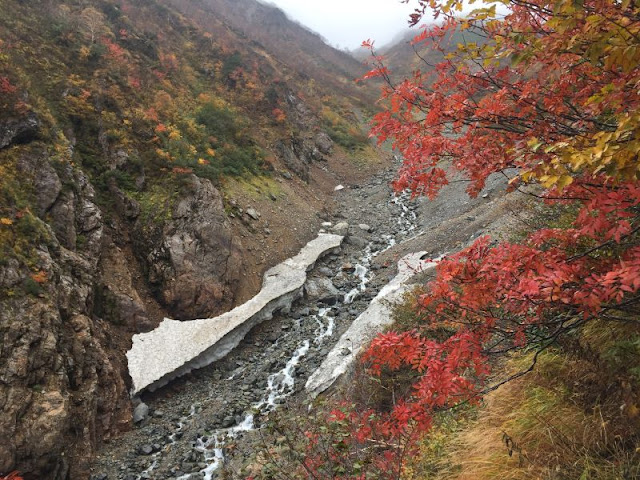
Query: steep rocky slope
[148,167]
[62,390]
[297,48]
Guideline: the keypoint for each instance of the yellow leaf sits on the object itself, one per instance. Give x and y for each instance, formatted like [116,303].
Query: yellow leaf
[564,181]
[598,150]
[549,181]
[534,144]
[6,221]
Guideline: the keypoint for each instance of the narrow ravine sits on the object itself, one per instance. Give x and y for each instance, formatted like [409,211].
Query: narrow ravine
[195,422]
[281,384]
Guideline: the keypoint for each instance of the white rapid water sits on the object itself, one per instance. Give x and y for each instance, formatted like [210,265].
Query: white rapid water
[172,439]
[323,331]
[360,272]
[407,218]
[281,384]
[407,222]
[213,447]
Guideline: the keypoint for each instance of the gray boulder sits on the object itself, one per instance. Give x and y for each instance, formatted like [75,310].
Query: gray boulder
[324,143]
[253,213]
[321,289]
[341,228]
[356,241]
[140,413]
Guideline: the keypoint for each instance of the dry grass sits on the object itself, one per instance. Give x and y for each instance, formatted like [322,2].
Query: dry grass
[537,427]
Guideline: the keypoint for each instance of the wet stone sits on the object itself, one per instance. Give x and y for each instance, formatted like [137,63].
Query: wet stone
[326,271]
[145,450]
[228,421]
[140,413]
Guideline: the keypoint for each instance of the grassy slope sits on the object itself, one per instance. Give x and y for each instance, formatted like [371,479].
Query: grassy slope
[572,418]
[575,416]
[137,90]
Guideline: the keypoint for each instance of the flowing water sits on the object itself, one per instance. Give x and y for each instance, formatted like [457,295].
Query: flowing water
[281,383]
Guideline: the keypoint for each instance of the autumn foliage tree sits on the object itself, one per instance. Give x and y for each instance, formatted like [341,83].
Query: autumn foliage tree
[548,98]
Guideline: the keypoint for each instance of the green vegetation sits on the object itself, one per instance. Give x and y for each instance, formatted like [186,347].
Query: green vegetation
[20,230]
[156,203]
[140,96]
[134,99]
[343,127]
[31,287]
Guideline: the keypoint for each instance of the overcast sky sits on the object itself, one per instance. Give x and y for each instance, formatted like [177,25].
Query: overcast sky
[347,23]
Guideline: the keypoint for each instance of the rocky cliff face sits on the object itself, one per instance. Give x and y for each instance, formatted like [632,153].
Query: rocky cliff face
[69,306]
[61,388]
[192,259]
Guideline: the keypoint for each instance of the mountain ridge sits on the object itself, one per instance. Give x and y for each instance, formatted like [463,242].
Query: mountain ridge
[150,168]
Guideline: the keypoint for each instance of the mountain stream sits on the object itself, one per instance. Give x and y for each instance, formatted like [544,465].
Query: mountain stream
[223,401]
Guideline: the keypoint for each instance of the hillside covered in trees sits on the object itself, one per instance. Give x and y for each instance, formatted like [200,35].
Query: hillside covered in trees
[145,148]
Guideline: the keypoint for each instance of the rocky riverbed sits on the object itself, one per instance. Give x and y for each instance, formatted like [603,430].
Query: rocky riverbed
[184,430]
[175,433]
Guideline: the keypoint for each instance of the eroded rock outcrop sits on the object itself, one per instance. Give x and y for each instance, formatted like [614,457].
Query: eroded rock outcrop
[298,165]
[193,259]
[19,130]
[298,153]
[61,388]
[117,300]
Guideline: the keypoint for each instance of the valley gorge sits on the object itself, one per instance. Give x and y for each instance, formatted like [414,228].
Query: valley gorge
[203,424]
[106,229]
[230,251]
[110,302]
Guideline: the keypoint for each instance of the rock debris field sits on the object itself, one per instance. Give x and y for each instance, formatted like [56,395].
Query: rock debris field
[186,429]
